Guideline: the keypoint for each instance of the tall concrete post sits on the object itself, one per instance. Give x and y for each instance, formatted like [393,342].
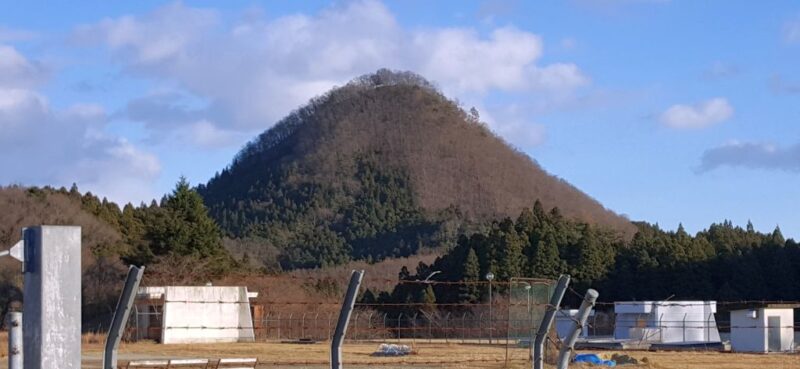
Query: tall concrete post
[547,321]
[344,318]
[15,340]
[576,327]
[52,306]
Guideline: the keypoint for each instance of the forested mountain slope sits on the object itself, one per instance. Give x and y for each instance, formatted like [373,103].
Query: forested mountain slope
[377,168]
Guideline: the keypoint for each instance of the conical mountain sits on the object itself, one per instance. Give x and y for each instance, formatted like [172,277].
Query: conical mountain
[381,167]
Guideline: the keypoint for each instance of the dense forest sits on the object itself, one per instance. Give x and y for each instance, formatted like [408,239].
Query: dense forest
[723,262]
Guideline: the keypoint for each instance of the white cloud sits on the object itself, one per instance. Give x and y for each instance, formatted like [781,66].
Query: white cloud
[463,62]
[752,155]
[699,115]
[14,35]
[791,31]
[252,72]
[40,145]
[780,85]
[17,71]
[164,35]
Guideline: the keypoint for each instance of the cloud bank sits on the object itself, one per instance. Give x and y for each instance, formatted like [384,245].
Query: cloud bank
[253,71]
[752,155]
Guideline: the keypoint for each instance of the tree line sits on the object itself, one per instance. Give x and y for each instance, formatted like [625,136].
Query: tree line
[723,262]
[176,227]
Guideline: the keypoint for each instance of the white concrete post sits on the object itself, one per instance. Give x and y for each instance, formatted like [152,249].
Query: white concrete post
[15,340]
[52,306]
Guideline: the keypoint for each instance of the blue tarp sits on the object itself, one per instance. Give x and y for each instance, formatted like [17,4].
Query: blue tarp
[593,359]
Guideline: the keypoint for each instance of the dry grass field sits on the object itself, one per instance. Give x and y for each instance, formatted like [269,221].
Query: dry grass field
[428,355]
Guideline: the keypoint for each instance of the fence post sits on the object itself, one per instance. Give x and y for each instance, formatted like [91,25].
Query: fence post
[446,327]
[265,322]
[385,328]
[398,326]
[464,327]
[291,326]
[279,326]
[480,330]
[15,340]
[355,327]
[430,332]
[537,347]
[344,318]
[316,326]
[330,325]
[684,327]
[121,314]
[575,329]
[414,330]
[303,326]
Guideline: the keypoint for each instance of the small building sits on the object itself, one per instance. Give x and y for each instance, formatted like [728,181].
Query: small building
[763,328]
[194,314]
[565,319]
[672,322]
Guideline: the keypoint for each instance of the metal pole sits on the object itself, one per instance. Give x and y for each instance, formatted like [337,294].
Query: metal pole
[330,324]
[430,330]
[414,332]
[344,318]
[355,328]
[490,311]
[15,340]
[576,328]
[398,326]
[684,327]
[121,314]
[303,326]
[547,321]
[463,327]
[291,326]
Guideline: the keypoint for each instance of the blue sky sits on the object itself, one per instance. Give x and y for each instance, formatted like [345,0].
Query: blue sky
[666,111]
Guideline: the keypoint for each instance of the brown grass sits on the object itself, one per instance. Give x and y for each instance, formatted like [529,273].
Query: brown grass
[436,354]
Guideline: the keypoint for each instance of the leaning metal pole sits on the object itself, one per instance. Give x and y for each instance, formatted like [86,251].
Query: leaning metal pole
[121,314]
[576,327]
[15,340]
[547,321]
[344,318]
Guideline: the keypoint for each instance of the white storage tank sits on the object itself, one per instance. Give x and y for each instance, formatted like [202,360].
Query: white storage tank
[671,322]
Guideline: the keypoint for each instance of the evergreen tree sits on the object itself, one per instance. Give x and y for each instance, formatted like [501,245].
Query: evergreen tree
[181,227]
[469,292]
[546,260]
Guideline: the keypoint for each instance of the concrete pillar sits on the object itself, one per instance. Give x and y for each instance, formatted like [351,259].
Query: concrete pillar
[52,306]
